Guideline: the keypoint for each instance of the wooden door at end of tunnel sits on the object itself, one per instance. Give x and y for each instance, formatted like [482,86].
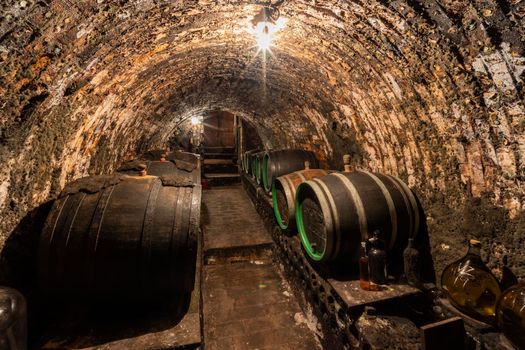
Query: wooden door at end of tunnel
[219,130]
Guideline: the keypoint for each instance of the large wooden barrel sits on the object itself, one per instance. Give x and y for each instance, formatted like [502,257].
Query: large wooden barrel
[334,213]
[121,237]
[283,195]
[282,162]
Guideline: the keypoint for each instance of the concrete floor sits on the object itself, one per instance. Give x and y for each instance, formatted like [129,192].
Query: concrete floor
[247,304]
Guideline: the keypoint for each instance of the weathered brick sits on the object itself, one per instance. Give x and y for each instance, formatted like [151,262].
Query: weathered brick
[431,92]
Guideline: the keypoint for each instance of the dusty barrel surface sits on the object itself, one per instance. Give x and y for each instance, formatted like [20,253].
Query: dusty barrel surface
[188,164]
[283,195]
[277,163]
[119,236]
[334,213]
[181,167]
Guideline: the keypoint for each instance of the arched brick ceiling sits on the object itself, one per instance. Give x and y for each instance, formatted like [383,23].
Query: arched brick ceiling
[429,90]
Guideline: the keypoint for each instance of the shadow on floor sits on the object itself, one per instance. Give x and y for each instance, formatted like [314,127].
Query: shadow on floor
[76,325]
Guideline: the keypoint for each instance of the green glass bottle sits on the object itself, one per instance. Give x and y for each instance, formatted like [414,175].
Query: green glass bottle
[470,286]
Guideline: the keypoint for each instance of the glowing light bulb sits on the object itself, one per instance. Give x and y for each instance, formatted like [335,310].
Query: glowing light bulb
[264,38]
[195,120]
[265,32]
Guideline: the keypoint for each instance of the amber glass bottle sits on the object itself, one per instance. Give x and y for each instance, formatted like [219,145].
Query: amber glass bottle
[511,314]
[470,286]
[364,278]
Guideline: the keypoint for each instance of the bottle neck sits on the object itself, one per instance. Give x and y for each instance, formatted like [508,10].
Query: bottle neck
[375,243]
[474,250]
[363,250]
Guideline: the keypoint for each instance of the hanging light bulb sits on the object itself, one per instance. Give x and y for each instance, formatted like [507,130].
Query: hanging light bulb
[265,25]
[195,120]
[264,39]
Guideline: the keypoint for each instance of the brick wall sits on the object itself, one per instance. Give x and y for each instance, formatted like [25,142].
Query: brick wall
[430,91]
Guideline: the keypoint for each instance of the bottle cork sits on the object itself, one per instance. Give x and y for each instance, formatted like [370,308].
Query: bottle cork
[475,242]
[346,162]
[142,168]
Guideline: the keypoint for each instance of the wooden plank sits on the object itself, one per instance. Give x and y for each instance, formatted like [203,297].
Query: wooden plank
[447,334]
[221,175]
[218,162]
[353,295]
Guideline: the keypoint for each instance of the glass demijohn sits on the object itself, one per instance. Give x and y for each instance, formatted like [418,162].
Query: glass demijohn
[470,286]
[510,313]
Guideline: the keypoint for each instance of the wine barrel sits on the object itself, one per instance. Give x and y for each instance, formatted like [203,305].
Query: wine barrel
[282,162]
[283,195]
[251,160]
[258,170]
[256,166]
[121,237]
[246,163]
[334,213]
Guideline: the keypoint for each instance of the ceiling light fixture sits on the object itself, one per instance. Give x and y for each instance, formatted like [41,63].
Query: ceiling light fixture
[267,23]
[195,120]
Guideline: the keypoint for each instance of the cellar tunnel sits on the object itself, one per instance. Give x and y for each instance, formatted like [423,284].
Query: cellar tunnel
[429,91]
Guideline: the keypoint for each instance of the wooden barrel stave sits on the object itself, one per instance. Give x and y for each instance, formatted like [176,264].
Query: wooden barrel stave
[134,239]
